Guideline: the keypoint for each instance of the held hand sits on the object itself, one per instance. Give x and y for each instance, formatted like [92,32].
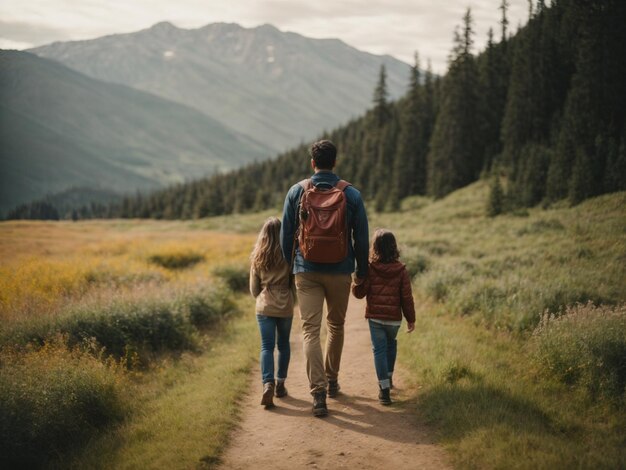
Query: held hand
[410,327]
[357,281]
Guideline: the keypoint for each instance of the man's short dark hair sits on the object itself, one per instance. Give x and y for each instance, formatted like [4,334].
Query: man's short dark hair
[324,154]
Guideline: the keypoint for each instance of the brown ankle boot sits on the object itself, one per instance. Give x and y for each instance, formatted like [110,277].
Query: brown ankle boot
[281,390]
[268,395]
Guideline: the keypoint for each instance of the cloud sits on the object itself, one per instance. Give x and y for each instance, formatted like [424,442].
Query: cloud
[31,33]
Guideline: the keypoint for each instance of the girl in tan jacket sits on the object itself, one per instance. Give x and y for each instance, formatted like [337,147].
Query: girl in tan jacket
[270,285]
[389,296]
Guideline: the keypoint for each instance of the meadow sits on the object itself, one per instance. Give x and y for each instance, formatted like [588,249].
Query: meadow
[127,343]
[519,360]
[105,325]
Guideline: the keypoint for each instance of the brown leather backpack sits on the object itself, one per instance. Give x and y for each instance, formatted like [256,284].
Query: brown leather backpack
[323,223]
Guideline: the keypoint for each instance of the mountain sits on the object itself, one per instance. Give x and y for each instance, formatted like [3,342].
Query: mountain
[61,129]
[277,87]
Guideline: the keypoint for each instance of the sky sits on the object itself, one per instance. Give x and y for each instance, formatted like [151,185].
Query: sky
[395,27]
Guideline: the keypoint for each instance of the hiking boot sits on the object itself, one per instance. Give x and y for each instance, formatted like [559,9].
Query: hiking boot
[281,390]
[333,388]
[268,395]
[384,396]
[319,404]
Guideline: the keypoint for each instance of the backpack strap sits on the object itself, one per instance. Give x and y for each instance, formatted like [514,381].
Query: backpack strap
[342,185]
[306,183]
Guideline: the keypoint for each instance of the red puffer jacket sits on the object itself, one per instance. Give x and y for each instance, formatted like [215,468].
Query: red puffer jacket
[388,291]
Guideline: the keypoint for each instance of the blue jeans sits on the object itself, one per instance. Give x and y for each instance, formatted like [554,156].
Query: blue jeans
[385,347]
[274,331]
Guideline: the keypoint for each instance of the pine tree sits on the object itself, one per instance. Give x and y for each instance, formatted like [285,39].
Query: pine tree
[495,205]
[409,163]
[582,184]
[493,90]
[595,108]
[504,21]
[381,106]
[530,185]
[455,158]
[614,179]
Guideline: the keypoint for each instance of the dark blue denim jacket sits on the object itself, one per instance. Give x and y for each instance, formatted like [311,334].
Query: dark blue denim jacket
[357,225]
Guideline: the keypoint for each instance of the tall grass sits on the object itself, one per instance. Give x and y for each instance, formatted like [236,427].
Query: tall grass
[497,394]
[586,345]
[494,406]
[53,398]
[185,408]
[168,321]
[506,271]
[77,315]
[176,259]
[236,276]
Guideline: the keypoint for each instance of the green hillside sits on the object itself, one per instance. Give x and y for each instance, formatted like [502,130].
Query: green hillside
[61,129]
[503,388]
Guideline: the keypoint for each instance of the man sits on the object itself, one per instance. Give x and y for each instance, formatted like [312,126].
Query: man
[317,282]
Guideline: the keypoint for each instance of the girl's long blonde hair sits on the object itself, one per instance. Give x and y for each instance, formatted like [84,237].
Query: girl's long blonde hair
[267,254]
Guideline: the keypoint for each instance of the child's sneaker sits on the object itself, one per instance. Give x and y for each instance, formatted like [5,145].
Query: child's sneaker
[384,396]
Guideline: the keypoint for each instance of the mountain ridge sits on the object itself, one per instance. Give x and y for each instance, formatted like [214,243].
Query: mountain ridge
[277,87]
[61,128]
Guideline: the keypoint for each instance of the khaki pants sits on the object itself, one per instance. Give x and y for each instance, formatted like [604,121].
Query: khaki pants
[313,288]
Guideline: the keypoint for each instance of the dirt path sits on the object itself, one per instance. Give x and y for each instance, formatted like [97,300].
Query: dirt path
[358,433]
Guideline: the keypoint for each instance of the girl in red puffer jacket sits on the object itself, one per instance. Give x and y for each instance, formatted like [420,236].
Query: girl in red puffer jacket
[388,291]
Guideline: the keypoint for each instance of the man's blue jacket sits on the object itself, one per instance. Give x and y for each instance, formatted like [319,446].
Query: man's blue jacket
[357,227]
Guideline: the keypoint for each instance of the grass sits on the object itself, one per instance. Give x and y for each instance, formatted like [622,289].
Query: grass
[176,260]
[47,266]
[493,407]
[53,398]
[184,410]
[236,277]
[146,351]
[498,395]
[587,346]
[506,271]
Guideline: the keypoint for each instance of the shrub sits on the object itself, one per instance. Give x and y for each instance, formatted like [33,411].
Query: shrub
[131,325]
[152,326]
[204,309]
[438,284]
[416,263]
[540,226]
[237,277]
[496,197]
[176,260]
[587,346]
[53,399]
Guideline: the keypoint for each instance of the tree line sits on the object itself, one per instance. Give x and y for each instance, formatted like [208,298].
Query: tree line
[541,111]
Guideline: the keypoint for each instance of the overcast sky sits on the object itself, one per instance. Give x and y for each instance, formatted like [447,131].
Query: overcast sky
[396,27]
